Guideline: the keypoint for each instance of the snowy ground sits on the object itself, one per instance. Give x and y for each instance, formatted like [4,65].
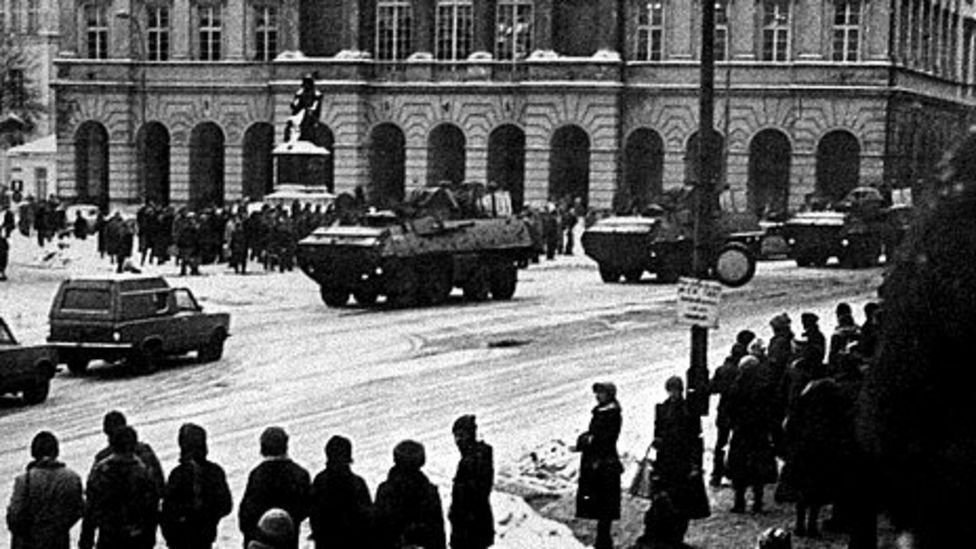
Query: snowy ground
[524,367]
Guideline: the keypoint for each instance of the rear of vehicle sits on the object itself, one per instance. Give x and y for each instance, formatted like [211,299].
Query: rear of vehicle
[622,246]
[25,370]
[814,237]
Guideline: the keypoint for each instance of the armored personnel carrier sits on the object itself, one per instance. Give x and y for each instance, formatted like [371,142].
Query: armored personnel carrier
[857,231]
[660,241]
[440,238]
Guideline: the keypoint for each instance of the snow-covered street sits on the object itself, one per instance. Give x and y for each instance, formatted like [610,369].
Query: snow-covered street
[377,376]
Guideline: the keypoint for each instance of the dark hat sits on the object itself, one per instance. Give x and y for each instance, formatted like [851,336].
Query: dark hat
[45,444]
[193,440]
[113,421]
[464,424]
[843,309]
[274,442]
[674,383]
[338,450]
[276,527]
[409,453]
[605,387]
[809,318]
[745,337]
[781,320]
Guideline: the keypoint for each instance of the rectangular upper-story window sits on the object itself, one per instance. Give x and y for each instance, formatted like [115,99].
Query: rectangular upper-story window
[776,30]
[96,31]
[265,32]
[157,33]
[393,29]
[455,29]
[33,16]
[209,32]
[722,30]
[513,29]
[17,86]
[847,30]
[650,31]
[3,16]
[14,10]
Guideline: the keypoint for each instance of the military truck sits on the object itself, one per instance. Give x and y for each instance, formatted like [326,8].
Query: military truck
[660,241]
[440,238]
[857,231]
[25,369]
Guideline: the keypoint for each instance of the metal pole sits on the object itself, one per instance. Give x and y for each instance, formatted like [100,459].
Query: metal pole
[697,374]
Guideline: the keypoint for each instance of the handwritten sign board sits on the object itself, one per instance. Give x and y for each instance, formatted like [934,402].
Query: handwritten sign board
[698,302]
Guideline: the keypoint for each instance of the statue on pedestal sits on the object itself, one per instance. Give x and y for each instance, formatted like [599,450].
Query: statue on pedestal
[306,107]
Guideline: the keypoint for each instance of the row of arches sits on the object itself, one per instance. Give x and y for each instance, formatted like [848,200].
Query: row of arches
[770,153]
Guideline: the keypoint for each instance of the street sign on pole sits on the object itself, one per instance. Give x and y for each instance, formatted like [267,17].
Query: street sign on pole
[698,302]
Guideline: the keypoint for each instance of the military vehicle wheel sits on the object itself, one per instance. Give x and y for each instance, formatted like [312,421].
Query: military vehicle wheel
[436,285]
[609,274]
[476,287]
[669,270]
[214,349]
[77,365]
[405,292]
[633,275]
[364,297]
[37,392]
[334,297]
[735,265]
[504,279]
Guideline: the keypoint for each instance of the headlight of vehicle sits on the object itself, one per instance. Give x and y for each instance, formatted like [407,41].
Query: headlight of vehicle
[791,241]
[116,336]
[844,243]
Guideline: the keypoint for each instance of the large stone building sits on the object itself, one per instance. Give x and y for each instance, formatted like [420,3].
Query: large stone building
[182,100]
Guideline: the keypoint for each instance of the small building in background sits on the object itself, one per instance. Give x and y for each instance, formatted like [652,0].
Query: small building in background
[33,167]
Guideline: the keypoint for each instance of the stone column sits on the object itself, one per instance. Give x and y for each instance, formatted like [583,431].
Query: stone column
[609,15]
[234,30]
[876,27]
[809,28]
[423,25]
[742,27]
[180,29]
[350,24]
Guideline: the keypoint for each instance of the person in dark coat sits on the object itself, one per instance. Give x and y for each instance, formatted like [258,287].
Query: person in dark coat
[113,235]
[472,522]
[550,231]
[813,451]
[678,464]
[276,482]
[80,227]
[846,333]
[123,250]
[4,256]
[408,507]
[811,337]
[121,507]
[196,496]
[341,511]
[917,414]
[187,236]
[598,494]
[100,229]
[751,463]
[46,501]
[112,422]
[867,345]
[721,385]
[780,355]
[9,222]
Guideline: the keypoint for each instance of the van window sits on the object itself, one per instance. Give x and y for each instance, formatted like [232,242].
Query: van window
[143,304]
[87,299]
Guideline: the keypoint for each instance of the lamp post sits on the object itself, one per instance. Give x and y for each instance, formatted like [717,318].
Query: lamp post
[136,30]
[697,374]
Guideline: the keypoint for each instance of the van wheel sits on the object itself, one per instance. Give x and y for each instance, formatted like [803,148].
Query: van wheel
[213,350]
[77,365]
[37,393]
[145,360]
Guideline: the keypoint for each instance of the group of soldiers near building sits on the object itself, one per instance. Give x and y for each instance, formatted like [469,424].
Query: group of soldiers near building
[127,498]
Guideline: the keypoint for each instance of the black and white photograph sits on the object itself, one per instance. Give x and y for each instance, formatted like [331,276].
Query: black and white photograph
[472,274]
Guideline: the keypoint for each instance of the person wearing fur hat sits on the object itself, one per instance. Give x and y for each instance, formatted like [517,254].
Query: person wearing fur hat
[472,522]
[408,506]
[196,496]
[342,509]
[47,499]
[276,482]
[598,494]
[751,463]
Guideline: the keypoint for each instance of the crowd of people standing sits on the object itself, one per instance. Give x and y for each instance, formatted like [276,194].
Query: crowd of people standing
[127,499]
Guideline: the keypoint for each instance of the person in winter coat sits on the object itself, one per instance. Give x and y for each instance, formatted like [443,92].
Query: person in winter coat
[112,422]
[4,256]
[341,510]
[408,506]
[813,454]
[121,507]
[751,463]
[196,496]
[275,530]
[721,385]
[47,499]
[845,334]
[9,222]
[187,235]
[276,482]
[678,464]
[811,337]
[598,494]
[126,239]
[472,522]
[237,242]
[80,227]
[101,229]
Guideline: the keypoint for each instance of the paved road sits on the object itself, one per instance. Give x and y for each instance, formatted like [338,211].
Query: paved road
[524,367]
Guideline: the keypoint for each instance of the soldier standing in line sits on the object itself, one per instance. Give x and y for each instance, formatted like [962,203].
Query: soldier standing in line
[472,523]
